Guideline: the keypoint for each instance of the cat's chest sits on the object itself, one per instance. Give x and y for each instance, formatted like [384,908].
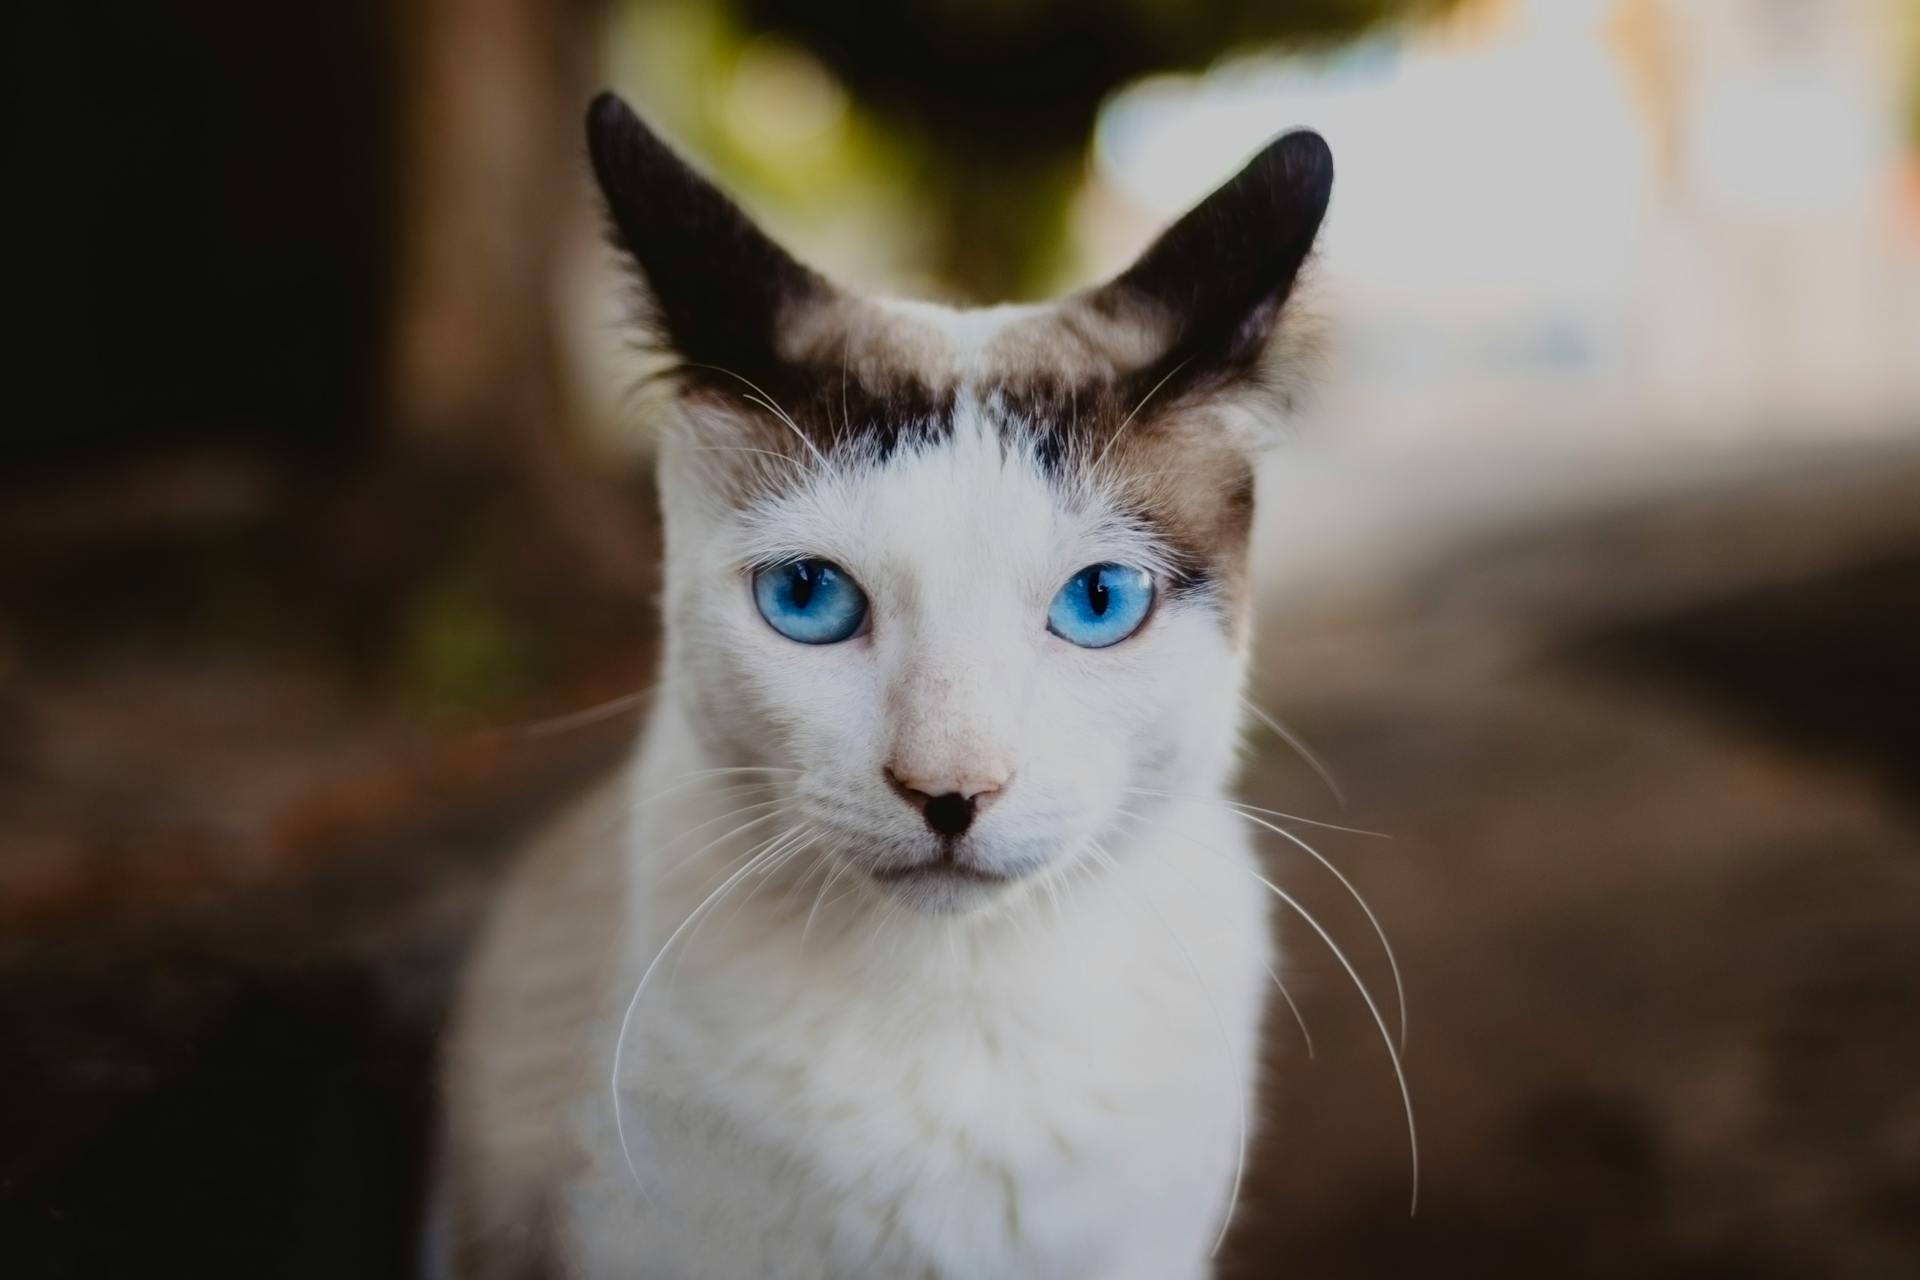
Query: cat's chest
[1020,1071]
[1033,1108]
[938,1149]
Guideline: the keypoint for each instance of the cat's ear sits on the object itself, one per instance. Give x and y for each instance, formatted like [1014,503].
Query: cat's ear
[717,284]
[1209,292]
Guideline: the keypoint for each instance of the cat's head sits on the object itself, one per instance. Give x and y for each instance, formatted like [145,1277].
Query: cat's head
[972,577]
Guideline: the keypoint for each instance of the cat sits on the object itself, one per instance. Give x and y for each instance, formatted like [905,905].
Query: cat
[917,939]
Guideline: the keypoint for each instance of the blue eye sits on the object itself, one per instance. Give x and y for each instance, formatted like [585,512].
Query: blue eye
[1102,604]
[810,601]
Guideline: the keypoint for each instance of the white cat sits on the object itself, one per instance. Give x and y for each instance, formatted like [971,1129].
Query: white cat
[916,941]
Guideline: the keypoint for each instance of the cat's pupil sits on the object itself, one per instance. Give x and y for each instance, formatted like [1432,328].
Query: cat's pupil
[1097,592]
[802,579]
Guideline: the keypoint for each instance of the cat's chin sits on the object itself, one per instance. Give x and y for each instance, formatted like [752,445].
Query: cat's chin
[946,886]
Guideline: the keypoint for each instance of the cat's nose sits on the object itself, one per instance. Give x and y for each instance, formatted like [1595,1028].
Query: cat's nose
[948,805]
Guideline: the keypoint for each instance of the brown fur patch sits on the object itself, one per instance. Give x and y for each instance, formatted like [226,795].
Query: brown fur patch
[1080,341]
[868,341]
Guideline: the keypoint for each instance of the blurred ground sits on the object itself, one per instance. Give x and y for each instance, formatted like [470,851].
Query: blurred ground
[1653,777]
[1650,773]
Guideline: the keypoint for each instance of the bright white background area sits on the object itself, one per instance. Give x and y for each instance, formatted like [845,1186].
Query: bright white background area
[1575,246]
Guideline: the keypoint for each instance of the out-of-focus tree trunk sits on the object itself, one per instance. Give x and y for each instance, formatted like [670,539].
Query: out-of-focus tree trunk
[492,196]
[487,180]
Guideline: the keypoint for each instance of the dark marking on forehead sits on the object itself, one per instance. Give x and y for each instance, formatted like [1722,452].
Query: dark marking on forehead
[870,416]
[1070,419]
[832,411]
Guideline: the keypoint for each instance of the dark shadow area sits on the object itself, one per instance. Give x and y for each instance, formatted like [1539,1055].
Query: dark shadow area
[1827,663]
[230,1119]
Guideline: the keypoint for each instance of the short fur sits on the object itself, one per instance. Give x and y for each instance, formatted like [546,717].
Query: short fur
[1039,1064]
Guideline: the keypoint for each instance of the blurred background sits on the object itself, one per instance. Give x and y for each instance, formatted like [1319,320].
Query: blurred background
[1591,573]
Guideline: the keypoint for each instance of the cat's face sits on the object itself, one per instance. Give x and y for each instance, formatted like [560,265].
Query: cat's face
[974,582]
[920,637]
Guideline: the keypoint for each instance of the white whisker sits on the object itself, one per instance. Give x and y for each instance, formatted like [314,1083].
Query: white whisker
[801,842]
[773,855]
[1226,1041]
[1299,1019]
[683,781]
[582,718]
[633,1002]
[740,448]
[853,884]
[846,419]
[1366,995]
[1128,420]
[1379,930]
[697,854]
[762,398]
[1254,808]
[1299,746]
[1373,1007]
[838,866]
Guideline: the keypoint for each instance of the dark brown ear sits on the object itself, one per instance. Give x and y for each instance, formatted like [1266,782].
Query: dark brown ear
[718,284]
[1214,283]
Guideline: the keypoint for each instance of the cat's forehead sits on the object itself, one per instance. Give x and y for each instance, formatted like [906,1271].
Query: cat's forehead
[876,368]
[879,339]
[894,413]
[941,510]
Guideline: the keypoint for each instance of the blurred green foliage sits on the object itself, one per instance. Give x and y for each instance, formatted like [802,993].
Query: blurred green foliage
[464,649]
[981,109]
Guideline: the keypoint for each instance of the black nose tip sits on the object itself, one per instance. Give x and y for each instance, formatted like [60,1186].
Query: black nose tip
[949,814]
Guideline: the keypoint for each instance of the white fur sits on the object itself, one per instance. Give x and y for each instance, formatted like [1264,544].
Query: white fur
[1047,1079]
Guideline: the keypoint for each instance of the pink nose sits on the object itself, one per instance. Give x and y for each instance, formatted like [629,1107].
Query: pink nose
[948,806]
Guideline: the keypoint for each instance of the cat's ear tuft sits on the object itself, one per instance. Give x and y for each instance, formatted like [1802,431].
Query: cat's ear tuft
[1211,289]
[717,284]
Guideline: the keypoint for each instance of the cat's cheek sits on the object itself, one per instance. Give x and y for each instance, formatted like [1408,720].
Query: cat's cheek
[1185,686]
[768,694]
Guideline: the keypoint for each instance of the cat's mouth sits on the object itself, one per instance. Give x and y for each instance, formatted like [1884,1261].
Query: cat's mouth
[941,871]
